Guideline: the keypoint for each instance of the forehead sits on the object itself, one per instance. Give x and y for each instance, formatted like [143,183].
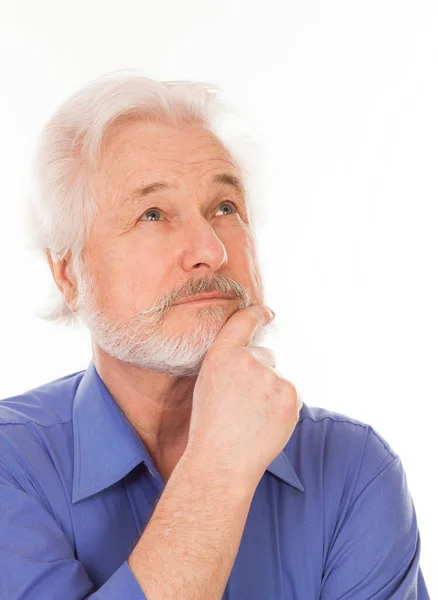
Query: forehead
[142,141]
[138,153]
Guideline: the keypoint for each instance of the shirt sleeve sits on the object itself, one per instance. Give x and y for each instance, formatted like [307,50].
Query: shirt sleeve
[375,552]
[36,557]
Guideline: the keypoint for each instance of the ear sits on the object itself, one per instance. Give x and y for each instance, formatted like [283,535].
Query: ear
[65,280]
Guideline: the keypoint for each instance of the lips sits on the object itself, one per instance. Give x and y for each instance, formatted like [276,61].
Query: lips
[204,297]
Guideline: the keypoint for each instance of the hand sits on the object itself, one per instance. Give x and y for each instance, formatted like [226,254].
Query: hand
[243,411]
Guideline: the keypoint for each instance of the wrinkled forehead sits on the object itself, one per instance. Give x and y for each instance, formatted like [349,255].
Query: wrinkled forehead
[159,141]
[140,154]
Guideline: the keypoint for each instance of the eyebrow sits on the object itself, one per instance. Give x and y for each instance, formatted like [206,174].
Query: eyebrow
[162,186]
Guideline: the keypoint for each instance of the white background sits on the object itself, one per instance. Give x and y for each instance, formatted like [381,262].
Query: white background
[343,95]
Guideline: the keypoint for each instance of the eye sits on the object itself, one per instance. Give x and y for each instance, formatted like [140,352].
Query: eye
[152,211]
[230,204]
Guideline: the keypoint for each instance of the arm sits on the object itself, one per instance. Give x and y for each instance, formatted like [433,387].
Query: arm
[375,551]
[194,534]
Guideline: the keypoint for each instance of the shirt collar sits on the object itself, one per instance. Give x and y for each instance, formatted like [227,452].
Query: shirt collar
[106,446]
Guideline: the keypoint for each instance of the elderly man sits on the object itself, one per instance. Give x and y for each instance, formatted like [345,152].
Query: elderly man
[180,464]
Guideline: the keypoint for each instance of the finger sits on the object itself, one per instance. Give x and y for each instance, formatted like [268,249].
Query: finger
[241,326]
[264,355]
[299,401]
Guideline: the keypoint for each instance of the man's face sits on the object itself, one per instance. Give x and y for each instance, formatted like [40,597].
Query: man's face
[147,251]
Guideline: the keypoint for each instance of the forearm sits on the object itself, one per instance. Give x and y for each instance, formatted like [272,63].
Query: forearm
[190,544]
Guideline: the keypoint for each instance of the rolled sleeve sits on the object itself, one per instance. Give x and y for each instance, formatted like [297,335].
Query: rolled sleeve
[122,584]
[37,559]
[375,551]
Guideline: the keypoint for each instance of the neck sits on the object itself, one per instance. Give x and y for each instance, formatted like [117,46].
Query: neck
[157,405]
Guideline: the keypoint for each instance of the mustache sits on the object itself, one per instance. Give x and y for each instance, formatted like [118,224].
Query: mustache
[198,285]
[216,284]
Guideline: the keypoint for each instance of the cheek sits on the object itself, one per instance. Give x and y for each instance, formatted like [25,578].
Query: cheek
[111,285]
[130,269]
[241,251]
[248,265]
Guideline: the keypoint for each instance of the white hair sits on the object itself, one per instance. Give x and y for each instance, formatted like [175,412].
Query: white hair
[61,202]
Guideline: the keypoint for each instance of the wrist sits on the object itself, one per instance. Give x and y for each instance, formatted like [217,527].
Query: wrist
[220,479]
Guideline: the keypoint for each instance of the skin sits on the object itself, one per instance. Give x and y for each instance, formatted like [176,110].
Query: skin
[147,350]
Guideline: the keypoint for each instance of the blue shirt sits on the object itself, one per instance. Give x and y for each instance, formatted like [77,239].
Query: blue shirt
[331,518]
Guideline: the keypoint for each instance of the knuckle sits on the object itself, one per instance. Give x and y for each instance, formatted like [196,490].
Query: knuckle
[290,391]
[251,361]
[293,390]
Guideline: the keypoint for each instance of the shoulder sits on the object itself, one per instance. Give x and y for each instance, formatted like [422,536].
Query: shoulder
[338,448]
[44,406]
[341,430]
[36,437]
